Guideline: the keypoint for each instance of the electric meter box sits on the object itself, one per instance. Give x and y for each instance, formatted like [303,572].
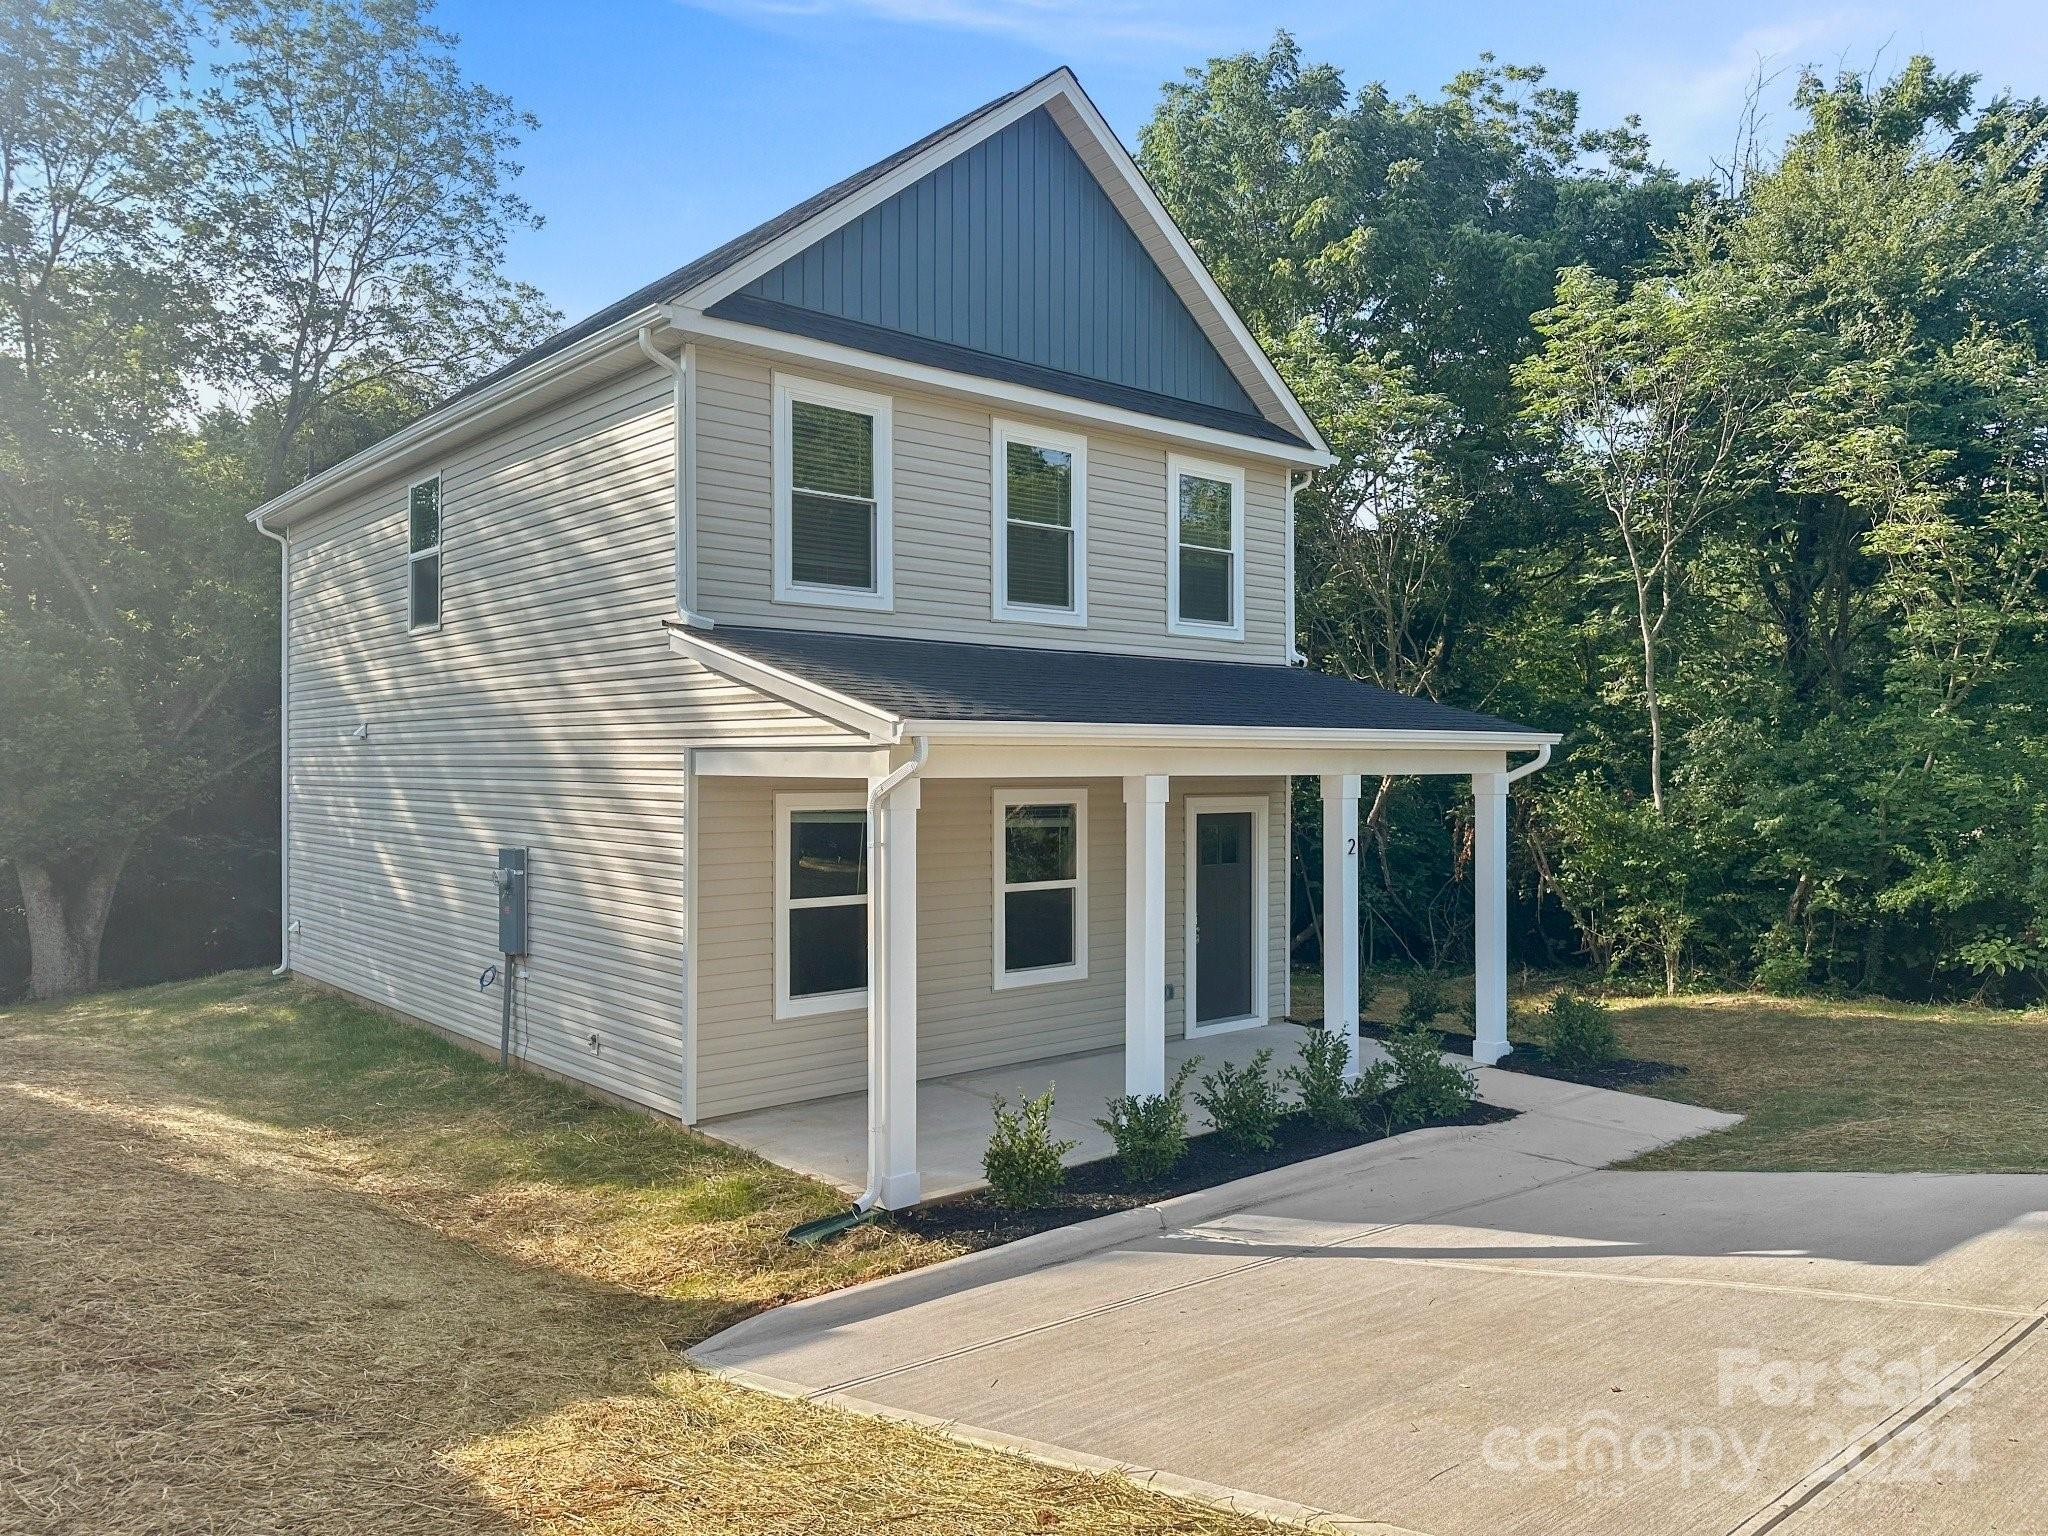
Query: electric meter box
[511,880]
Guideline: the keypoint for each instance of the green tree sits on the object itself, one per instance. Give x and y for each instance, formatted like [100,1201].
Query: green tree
[358,206]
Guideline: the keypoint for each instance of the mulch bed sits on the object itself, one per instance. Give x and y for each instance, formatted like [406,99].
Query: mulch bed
[1624,1072]
[1100,1189]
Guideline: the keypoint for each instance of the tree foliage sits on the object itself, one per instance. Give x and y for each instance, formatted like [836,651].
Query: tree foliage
[1740,486]
[318,230]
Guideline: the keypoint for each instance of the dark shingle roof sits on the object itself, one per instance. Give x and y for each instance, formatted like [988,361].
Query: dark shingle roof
[955,681]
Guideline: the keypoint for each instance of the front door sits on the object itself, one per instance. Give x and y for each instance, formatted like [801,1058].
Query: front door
[1224,858]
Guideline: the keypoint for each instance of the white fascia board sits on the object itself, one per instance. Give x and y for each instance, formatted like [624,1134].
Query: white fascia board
[431,433]
[1221,312]
[1050,732]
[871,724]
[1073,113]
[994,394]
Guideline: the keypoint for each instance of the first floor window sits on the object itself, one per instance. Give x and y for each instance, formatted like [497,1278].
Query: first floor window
[821,905]
[1041,879]
[423,553]
[831,495]
[1041,505]
[1206,570]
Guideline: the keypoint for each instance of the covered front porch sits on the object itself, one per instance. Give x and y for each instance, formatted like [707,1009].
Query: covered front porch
[1127,816]
[828,1138]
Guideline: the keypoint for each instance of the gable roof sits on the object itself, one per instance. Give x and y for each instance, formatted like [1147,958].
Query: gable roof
[695,287]
[963,682]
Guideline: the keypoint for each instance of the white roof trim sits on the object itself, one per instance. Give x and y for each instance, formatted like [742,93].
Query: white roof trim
[457,416]
[870,723]
[889,372]
[1226,735]
[1077,117]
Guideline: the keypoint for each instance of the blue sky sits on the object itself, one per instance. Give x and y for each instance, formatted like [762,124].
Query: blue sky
[669,125]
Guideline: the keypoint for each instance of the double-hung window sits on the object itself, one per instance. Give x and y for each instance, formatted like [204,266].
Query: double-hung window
[1205,548]
[821,904]
[1041,885]
[832,495]
[423,553]
[1041,525]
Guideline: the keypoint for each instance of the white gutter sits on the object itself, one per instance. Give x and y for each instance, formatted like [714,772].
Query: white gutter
[284,748]
[679,371]
[1535,764]
[456,416]
[920,753]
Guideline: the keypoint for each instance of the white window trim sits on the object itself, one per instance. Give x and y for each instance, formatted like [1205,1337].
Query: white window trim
[786,1006]
[882,599]
[1207,469]
[1262,931]
[1002,609]
[1040,794]
[414,556]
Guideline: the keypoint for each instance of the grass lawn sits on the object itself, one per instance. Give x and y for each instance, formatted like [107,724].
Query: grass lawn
[1830,1085]
[272,1262]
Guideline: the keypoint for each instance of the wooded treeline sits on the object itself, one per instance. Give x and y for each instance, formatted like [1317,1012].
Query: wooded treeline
[1740,482]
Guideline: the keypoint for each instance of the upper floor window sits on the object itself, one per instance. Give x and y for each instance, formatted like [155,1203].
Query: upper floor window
[832,502]
[1041,885]
[1205,564]
[423,553]
[1041,525]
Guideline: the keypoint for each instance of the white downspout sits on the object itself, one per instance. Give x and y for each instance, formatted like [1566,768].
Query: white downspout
[920,750]
[1294,656]
[284,748]
[679,371]
[1534,765]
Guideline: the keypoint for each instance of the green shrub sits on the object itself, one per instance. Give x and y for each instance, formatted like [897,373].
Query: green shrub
[1428,996]
[1151,1130]
[1426,1084]
[1581,1037]
[1243,1103]
[1022,1162]
[1368,1093]
[1318,1080]
[1781,966]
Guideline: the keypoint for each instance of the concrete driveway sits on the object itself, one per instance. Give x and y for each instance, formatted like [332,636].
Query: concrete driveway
[1480,1331]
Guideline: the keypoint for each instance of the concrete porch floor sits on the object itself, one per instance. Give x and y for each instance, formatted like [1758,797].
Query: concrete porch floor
[827,1138]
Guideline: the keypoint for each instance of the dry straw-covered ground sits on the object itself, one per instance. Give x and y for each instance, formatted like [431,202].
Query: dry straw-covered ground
[272,1263]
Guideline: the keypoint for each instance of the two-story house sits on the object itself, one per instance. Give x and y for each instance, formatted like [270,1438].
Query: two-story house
[878,634]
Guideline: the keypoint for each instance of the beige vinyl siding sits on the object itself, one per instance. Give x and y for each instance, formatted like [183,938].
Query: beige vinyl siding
[749,1058]
[545,712]
[943,529]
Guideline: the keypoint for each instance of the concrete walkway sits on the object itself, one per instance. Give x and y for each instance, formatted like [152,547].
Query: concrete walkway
[1476,1330]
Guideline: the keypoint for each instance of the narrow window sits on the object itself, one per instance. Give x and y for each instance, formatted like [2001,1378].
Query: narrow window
[821,905]
[1041,525]
[423,557]
[1205,573]
[831,496]
[1041,886]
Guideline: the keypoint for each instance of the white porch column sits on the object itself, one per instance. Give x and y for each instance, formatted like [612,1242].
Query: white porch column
[892,1000]
[1145,933]
[1340,911]
[1489,917]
